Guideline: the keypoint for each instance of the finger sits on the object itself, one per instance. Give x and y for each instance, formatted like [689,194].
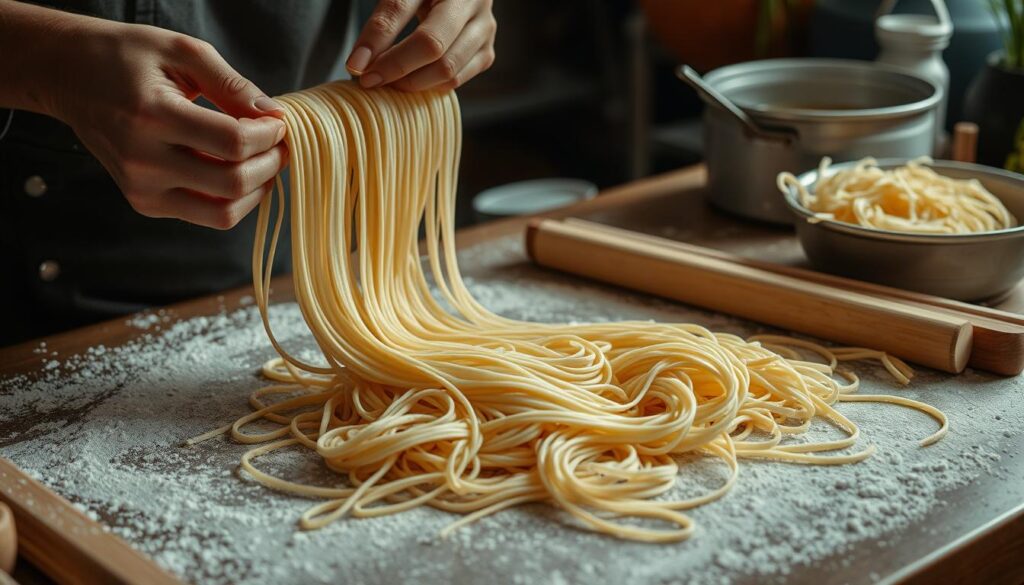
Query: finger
[184,123]
[228,180]
[474,38]
[480,62]
[199,64]
[387,20]
[206,211]
[428,43]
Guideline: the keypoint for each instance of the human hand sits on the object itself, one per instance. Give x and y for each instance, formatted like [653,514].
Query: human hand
[128,94]
[453,43]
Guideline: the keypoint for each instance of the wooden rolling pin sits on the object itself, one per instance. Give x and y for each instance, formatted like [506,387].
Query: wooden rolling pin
[918,334]
[998,343]
[8,543]
[965,142]
[66,544]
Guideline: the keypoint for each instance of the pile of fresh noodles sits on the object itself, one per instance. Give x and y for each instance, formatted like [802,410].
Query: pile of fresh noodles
[436,401]
[912,198]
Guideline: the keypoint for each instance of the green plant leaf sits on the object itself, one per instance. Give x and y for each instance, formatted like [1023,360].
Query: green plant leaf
[1015,159]
[1009,16]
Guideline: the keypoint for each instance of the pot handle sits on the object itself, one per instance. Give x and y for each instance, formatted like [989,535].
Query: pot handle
[713,97]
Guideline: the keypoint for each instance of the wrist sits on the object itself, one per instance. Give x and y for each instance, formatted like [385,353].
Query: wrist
[41,79]
[69,63]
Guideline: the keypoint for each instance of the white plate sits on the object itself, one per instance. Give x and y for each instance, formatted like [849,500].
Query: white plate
[535,196]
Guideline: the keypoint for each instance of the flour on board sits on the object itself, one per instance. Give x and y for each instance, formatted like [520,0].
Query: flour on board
[105,428]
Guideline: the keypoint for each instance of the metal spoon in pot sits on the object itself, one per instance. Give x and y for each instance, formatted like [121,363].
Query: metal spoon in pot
[712,96]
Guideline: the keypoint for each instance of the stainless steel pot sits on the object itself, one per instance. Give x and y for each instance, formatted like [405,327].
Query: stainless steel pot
[824,107]
[968,267]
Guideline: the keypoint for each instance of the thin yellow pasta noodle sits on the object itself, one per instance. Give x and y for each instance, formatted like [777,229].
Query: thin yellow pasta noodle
[434,400]
[912,198]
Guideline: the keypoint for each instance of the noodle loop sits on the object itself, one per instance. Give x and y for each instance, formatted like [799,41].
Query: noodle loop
[437,401]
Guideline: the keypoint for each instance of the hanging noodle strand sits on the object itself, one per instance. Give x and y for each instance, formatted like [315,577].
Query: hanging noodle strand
[434,400]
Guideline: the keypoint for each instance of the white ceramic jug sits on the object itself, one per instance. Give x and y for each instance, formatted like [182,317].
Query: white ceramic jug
[915,42]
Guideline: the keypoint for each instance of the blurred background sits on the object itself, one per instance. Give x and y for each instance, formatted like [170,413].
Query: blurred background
[587,89]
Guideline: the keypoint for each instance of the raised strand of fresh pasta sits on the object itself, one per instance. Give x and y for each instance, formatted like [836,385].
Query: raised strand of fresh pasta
[434,400]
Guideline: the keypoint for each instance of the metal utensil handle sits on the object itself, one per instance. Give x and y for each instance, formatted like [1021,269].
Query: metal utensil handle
[712,96]
[887,6]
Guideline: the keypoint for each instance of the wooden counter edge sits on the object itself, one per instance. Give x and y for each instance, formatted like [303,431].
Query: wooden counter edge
[969,559]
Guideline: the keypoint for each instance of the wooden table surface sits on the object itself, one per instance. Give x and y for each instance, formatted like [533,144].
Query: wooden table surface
[976,548]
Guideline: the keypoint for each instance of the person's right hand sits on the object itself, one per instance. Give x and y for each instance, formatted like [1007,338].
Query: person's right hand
[128,93]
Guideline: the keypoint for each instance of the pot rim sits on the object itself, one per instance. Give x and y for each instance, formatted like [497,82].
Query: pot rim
[808,179]
[892,73]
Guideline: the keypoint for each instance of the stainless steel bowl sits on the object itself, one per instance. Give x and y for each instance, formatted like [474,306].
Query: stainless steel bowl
[969,267]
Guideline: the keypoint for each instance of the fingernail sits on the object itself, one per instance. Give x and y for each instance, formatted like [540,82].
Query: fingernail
[265,104]
[280,134]
[370,80]
[359,59]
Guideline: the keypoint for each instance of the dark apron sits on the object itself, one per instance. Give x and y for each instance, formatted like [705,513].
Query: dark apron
[72,251]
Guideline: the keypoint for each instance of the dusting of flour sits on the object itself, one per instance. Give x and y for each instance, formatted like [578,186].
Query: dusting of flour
[105,428]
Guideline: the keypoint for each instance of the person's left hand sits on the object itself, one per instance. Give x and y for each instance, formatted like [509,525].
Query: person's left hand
[453,43]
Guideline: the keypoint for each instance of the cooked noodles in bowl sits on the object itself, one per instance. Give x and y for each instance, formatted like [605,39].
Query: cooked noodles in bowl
[912,198]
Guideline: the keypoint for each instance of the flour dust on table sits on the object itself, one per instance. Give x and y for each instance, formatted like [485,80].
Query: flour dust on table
[105,429]
[420,402]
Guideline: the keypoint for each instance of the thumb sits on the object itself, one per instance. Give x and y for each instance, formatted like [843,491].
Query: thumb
[380,31]
[216,80]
